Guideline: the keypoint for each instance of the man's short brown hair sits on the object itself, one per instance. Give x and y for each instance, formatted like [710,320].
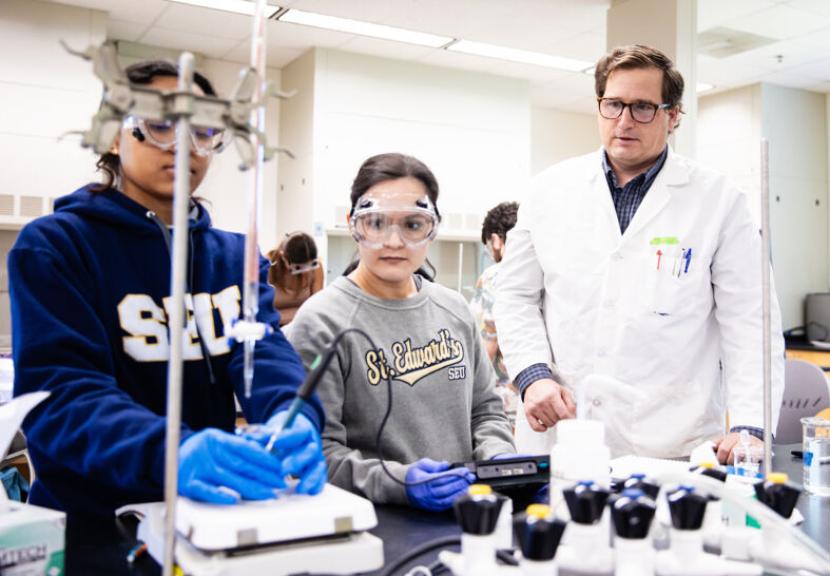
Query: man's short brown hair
[639,56]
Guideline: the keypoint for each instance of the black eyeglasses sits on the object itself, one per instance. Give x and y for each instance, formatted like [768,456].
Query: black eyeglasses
[642,112]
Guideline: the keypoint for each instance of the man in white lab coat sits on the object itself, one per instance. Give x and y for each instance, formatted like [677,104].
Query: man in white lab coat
[639,266]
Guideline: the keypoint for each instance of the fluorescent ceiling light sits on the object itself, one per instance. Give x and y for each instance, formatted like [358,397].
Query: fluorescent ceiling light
[364,28]
[523,56]
[246,7]
[703,87]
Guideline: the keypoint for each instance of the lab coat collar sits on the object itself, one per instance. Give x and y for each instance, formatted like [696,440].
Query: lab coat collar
[675,173]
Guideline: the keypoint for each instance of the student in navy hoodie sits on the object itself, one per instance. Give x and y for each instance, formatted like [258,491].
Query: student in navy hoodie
[90,289]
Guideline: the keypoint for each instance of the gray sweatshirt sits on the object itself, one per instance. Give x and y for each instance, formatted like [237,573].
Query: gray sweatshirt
[444,404]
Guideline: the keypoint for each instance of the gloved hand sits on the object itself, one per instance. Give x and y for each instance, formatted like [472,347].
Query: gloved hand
[218,467]
[301,452]
[438,491]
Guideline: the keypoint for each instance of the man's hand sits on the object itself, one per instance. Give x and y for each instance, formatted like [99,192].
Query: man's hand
[546,403]
[725,445]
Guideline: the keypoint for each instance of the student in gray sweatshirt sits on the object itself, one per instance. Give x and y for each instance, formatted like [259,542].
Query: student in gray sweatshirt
[445,408]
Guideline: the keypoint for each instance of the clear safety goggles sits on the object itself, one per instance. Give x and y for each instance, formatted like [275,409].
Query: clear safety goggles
[297,269]
[375,219]
[162,135]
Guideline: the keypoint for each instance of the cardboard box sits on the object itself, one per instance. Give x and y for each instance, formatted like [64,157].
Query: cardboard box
[32,541]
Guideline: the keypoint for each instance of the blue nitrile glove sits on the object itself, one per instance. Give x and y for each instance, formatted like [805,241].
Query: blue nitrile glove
[301,452]
[441,490]
[218,467]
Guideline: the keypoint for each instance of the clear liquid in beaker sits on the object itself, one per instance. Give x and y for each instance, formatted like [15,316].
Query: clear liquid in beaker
[816,456]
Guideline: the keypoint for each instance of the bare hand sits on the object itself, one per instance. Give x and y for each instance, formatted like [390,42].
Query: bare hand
[546,403]
[725,445]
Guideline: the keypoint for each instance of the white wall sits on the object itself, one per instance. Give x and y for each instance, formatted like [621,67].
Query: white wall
[730,126]
[471,129]
[795,123]
[557,135]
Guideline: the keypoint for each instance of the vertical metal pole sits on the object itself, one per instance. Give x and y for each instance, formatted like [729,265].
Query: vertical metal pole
[765,284]
[181,198]
[250,296]
[460,264]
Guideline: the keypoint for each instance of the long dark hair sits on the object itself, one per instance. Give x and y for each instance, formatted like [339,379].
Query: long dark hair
[391,166]
[143,73]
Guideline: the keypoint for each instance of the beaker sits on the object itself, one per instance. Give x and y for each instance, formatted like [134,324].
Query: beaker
[747,460]
[816,455]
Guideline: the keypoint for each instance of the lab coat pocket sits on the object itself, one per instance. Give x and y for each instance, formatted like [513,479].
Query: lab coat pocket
[674,282]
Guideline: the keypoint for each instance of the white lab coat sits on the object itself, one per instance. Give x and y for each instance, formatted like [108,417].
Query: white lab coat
[572,287]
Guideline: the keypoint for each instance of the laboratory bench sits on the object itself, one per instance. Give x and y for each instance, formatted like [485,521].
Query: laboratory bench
[93,548]
[799,348]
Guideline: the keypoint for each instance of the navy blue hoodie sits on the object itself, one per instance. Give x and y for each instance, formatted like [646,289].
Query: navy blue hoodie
[89,287]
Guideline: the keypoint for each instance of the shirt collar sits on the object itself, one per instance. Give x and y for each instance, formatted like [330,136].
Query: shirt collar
[647,176]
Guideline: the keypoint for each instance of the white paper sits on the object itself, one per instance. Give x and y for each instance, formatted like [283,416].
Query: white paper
[12,415]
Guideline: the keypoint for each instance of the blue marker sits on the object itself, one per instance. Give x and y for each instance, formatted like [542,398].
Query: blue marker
[688,260]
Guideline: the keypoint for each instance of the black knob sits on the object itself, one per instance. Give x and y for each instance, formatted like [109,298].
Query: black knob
[709,471]
[478,511]
[778,493]
[640,482]
[632,512]
[538,532]
[687,508]
[586,501]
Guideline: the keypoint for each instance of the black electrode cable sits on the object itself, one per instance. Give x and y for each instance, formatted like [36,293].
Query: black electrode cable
[318,368]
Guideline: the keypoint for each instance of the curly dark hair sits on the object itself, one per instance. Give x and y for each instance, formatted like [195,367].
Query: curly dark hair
[143,73]
[499,220]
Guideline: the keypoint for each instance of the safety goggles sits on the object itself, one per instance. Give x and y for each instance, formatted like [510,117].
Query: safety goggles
[162,135]
[374,220]
[297,269]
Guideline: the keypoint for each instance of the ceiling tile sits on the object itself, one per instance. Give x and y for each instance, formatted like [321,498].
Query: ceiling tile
[787,78]
[123,30]
[276,56]
[588,46]
[210,46]
[385,48]
[781,21]
[144,12]
[712,13]
[819,69]
[287,35]
[197,20]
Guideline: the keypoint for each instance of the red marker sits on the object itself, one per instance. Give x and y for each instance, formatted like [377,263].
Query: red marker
[659,255]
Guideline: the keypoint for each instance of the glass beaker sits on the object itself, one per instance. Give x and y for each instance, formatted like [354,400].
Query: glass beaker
[816,455]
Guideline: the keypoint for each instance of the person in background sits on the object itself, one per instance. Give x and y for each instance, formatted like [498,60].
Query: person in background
[641,268]
[89,289]
[295,274]
[497,222]
[445,407]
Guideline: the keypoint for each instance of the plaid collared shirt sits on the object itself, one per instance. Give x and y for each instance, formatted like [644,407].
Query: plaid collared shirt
[628,198]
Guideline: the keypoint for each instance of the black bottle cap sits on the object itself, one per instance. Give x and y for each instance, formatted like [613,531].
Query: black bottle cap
[687,508]
[632,512]
[478,511]
[538,532]
[586,501]
[709,471]
[778,493]
[641,482]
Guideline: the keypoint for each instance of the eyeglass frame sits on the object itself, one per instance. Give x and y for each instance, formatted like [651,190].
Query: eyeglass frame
[138,126]
[629,105]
